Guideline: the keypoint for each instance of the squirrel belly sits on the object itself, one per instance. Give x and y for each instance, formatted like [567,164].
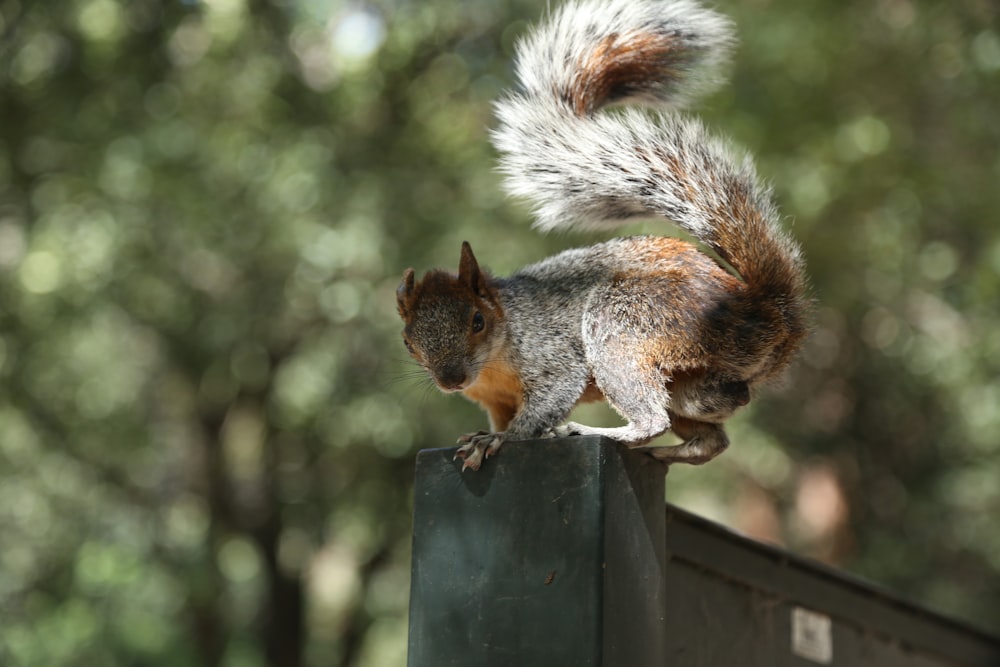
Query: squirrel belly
[670,338]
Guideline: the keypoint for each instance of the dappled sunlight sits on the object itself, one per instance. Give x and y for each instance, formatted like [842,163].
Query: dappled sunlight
[821,513]
[207,423]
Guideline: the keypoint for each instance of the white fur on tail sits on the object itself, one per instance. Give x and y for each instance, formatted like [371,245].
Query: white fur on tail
[587,168]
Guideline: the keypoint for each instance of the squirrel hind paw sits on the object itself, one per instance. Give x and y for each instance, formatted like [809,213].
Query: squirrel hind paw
[703,442]
[477,448]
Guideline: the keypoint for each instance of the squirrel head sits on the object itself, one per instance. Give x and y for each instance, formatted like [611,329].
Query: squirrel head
[450,323]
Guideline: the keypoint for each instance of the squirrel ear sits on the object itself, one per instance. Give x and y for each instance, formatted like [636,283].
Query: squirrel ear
[404,291]
[468,269]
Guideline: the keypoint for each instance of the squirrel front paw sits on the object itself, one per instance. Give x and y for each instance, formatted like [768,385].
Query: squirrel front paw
[477,448]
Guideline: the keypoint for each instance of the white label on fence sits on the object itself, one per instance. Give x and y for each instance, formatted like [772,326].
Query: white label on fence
[812,636]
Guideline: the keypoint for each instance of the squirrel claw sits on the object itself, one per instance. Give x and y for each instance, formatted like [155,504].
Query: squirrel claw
[471,457]
[477,448]
[467,437]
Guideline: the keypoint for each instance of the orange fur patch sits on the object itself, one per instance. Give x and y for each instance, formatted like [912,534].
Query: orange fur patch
[618,67]
[500,391]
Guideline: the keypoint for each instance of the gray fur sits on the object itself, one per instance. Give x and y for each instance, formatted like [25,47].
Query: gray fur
[571,320]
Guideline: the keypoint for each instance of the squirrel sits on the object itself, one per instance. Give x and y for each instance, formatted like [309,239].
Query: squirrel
[666,334]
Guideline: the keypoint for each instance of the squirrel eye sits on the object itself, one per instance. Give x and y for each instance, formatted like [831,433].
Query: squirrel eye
[478,322]
[409,346]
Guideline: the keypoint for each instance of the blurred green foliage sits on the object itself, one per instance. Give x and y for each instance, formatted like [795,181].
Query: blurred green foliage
[207,423]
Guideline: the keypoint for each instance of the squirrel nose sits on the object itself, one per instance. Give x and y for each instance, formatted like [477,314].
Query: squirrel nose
[451,379]
[739,391]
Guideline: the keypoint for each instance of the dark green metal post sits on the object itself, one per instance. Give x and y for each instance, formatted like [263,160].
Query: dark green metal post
[552,554]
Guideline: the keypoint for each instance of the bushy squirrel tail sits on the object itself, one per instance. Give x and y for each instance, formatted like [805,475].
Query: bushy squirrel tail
[584,168]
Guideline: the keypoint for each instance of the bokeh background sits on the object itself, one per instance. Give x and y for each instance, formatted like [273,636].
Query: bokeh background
[207,421]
